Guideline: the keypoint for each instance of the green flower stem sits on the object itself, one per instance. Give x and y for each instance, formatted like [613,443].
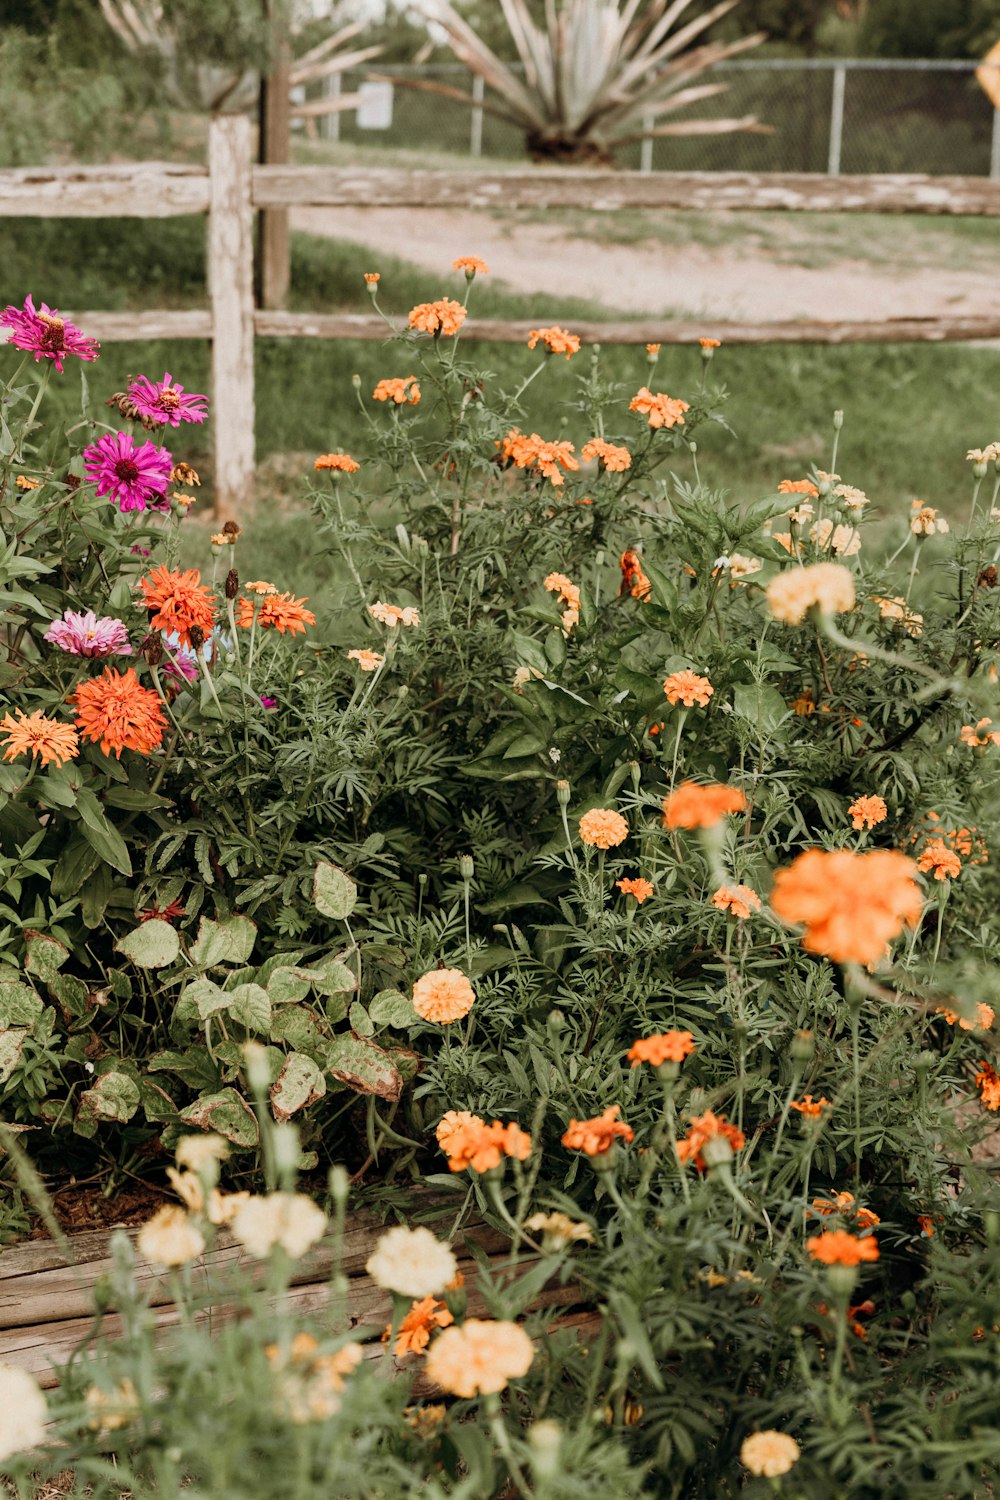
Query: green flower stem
[498,1427]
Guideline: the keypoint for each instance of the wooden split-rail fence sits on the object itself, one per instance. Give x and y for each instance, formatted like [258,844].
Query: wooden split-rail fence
[232,189]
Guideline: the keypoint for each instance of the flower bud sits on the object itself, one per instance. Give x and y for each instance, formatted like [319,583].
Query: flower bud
[838,420]
[152,649]
[285,1140]
[545,1441]
[466,867]
[197,637]
[258,1069]
[232,583]
[716,1152]
[356,382]
[803,1048]
[556,1021]
[842,1279]
[562,793]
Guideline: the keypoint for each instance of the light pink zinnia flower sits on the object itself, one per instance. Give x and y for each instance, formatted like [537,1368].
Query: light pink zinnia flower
[45,334]
[130,476]
[86,635]
[182,664]
[164,401]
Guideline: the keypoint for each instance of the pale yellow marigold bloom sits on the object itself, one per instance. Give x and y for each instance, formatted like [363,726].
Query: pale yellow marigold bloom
[558,1230]
[198,1152]
[827,587]
[443,995]
[769,1453]
[23,1410]
[851,498]
[603,828]
[479,1358]
[925,520]
[110,1410]
[368,661]
[411,1262]
[169,1238]
[289,1220]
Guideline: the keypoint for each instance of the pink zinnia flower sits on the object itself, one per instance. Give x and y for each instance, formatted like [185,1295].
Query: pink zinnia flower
[182,664]
[164,401]
[45,334]
[86,635]
[130,476]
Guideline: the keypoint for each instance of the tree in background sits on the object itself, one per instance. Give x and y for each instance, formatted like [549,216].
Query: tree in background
[930,28]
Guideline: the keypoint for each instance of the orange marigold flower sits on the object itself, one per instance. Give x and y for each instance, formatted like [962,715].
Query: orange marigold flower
[260,586]
[394,614]
[479,1358]
[597,1136]
[988,1084]
[35,734]
[978,735]
[985,1016]
[662,411]
[25,482]
[867,812]
[828,587]
[278,612]
[399,389]
[739,900]
[897,610]
[652,350]
[688,688]
[703,1129]
[415,1331]
[556,340]
[614,457]
[634,580]
[638,887]
[443,995]
[177,601]
[117,712]
[843,1203]
[696,806]
[937,858]
[444,317]
[835,1247]
[850,904]
[337,462]
[926,1224]
[530,451]
[603,828]
[798,487]
[368,661]
[470,264]
[807,1105]
[373,277]
[469,1142]
[670,1046]
[710,343]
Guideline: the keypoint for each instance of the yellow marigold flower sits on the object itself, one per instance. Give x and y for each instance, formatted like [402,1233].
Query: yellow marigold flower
[373,277]
[638,887]
[978,736]
[826,587]
[867,812]
[739,900]
[556,340]
[337,463]
[985,1016]
[896,609]
[23,482]
[769,1453]
[111,1410]
[558,1230]
[613,456]
[925,521]
[169,1238]
[844,541]
[260,586]
[24,1412]
[199,1152]
[290,1221]
[938,859]
[394,614]
[603,828]
[220,539]
[662,410]
[688,688]
[368,661]
[444,317]
[479,1358]
[398,389]
[443,995]
[851,498]
[411,1262]
[470,264]
[36,734]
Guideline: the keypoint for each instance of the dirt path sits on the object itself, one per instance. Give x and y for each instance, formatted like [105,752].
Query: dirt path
[740,280]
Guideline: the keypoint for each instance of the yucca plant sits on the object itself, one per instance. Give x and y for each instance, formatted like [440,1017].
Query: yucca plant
[598,75]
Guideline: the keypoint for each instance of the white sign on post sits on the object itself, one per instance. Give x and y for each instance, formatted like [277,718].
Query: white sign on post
[374,106]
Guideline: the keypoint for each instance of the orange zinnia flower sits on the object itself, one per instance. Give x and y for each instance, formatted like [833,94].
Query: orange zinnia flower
[597,1136]
[936,857]
[705,1128]
[414,1333]
[670,1046]
[843,1203]
[638,887]
[469,1142]
[400,389]
[662,411]
[696,806]
[866,812]
[835,1247]
[117,712]
[807,1105]
[470,264]
[614,457]
[688,688]
[556,340]
[443,995]
[177,601]
[634,580]
[603,828]
[850,904]
[278,612]
[35,734]
[740,900]
[444,317]
[988,1084]
[337,462]
[798,487]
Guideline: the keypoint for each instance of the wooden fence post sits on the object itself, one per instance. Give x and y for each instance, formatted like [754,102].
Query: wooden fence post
[274,255]
[230,283]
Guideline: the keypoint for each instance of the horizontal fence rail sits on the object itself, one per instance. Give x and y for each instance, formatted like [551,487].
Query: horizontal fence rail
[230,191]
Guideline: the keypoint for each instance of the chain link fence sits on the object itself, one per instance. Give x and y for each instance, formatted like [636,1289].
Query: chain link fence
[828,115]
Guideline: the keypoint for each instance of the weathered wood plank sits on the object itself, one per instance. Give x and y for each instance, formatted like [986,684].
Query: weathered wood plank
[613,192]
[128,190]
[124,327]
[273,240]
[650,331]
[230,261]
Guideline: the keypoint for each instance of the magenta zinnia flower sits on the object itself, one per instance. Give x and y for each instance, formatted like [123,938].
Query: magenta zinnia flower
[182,664]
[164,401]
[130,476]
[86,635]
[45,334]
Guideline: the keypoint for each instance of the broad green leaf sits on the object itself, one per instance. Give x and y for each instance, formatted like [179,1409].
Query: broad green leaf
[77,861]
[364,1067]
[360,1021]
[11,1047]
[19,1005]
[287,986]
[151,945]
[297,1027]
[226,1112]
[206,996]
[299,1084]
[45,955]
[114,1096]
[331,978]
[390,1008]
[761,704]
[249,1004]
[334,892]
[99,833]
[227,942]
